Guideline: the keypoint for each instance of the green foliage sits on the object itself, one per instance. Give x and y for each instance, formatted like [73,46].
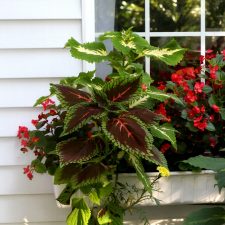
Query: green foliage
[80,214]
[204,162]
[206,216]
[80,139]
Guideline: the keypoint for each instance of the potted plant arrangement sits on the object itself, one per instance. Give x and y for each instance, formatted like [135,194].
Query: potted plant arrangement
[101,128]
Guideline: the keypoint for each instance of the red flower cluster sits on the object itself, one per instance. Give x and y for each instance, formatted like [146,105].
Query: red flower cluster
[29,172]
[202,118]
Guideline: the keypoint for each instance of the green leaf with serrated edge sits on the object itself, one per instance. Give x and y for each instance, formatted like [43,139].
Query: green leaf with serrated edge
[121,89]
[222,113]
[79,115]
[128,133]
[92,174]
[165,131]
[64,174]
[104,217]
[80,214]
[106,190]
[142,176]
[90,52]
[137,101]
[69,96]
[157,157]
[170,55]
[77,150]
[66,194]
[94,197]
[220,178]
[206,216]
[210,126]
[38,166]
[162,96]
[204,162]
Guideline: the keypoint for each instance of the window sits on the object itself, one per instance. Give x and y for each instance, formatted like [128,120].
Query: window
[195,24]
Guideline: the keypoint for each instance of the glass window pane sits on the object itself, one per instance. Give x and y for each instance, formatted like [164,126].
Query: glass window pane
[174,15]
[215,43]
[119,14]
[215,15]
[160,71]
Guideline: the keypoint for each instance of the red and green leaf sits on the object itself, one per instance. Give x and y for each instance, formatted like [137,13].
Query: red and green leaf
[64,174]
[145,115]
[121,89]
[128,134]
[76,150]
[157,157]
[79,116]
[69,96]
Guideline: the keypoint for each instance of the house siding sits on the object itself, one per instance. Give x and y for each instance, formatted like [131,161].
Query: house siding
[33,34]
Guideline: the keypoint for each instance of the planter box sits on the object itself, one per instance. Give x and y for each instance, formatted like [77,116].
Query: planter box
[178,188]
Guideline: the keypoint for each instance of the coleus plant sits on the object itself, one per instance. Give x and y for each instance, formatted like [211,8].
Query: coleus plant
[100,128]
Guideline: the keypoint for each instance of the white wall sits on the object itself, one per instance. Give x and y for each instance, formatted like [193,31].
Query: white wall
[32,36]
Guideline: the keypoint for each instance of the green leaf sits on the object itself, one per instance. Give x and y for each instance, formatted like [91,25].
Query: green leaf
[204,162]
[171,54]
[210,126]
[162,96]
[212,100]
[38,166]
[104,217]
[106,190]
[90,52]
[220,178]
[94,197]
[207,89]
[66,194]
[222,113]
[206,216]
[165,131]
[142,176]
[80,214]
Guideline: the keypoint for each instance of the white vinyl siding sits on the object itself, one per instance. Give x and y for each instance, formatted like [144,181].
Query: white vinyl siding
[33,34]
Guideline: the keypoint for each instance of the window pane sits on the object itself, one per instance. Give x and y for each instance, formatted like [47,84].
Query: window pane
[160,71]
[215,43]
[119,14]
[174,15]
[215,15]
[104,15]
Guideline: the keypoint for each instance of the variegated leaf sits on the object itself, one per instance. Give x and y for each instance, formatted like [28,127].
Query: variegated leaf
[121,89]
[91,52]
[165,131]
[69,96]
[77,150]
[78,116]
[157,157]
[128,134]
[145,115]
[162,96]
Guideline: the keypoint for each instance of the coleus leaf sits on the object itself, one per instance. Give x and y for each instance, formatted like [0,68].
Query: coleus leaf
[142,176]
[171,54]
[91,174]
[80,214]
[145,115]
[90,52]
[66,194]
[69,96]
[162,96]
[128,134]
[76,150]
[165,131]
[79,115]
[157,157]
[64,174]
[121,89]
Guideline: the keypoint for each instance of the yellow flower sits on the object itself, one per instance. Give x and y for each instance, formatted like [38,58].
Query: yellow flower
[164,172]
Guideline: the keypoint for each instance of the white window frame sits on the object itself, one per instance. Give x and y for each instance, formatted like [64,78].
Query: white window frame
[202,34]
